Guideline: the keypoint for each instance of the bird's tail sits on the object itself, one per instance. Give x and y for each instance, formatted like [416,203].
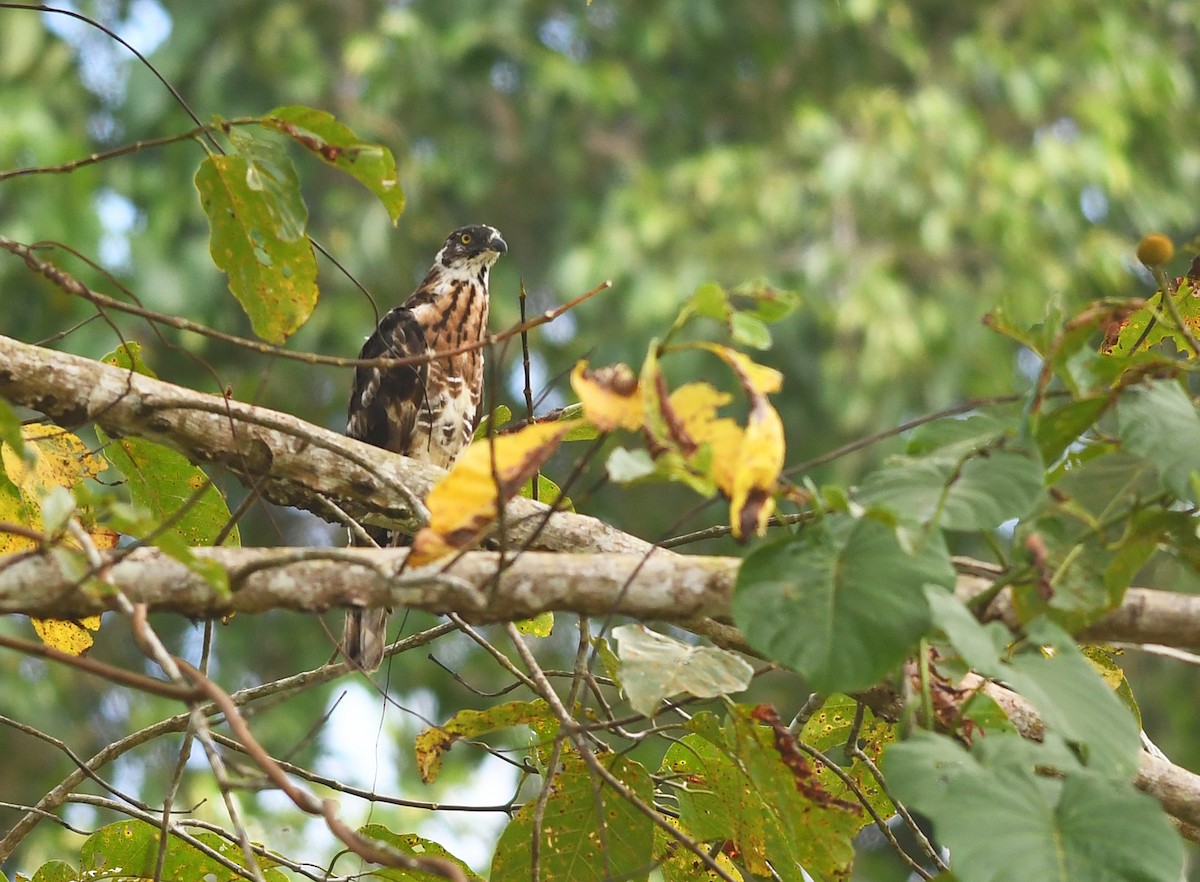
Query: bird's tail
[365,637]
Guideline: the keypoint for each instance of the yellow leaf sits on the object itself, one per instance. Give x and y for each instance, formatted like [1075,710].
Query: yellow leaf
[70,637]
[464,502]
[758,465]
[691,411]
[758,379]
[610,396]
[60,459]
[725,437]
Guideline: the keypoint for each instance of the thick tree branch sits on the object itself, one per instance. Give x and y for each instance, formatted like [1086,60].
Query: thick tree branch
[660,586]
[664,586]
[289,461]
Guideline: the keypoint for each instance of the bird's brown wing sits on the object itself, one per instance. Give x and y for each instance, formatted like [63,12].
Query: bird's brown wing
[384,402]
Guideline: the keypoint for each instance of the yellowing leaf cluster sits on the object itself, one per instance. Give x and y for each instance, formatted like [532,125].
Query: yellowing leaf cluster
[54,458]
[687,437]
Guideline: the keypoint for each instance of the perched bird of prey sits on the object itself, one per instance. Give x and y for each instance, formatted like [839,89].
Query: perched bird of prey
[427,411]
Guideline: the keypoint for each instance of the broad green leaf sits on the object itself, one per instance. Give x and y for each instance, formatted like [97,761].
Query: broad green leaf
[129,850]
[319,132]
[980,645]
[958,475]
[589,831]
[417,846]
[270,171]
[770,303]
[842,602]
[1057,430]
[1158,421]
[1074,701]
[274,277]
[654,667]
[1082,826]
[732,784]
[1087,550]
[431,743]
[162,481]
[1049,670]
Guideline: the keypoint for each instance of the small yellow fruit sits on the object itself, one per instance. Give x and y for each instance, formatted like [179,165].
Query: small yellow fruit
[1155,249]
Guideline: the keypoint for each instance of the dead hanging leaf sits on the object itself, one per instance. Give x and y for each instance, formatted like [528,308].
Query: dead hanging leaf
[489,473]
[611,396]
[761,459]
[54,461]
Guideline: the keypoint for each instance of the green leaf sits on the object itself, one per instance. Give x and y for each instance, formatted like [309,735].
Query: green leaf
[1083,826]
[500,416]
[980,645]
[416,846]
[749,331]
[161,481]
[710,301]
[10,429]
[319,132]
[589,831]
[270,171]
[541,625]
[55,871]
[548,492]
[735,786]
[1074,701]
[654,667]
[129,849]
[960,475]
[841,602]
[1158,421]
[272,276]
[1057,430]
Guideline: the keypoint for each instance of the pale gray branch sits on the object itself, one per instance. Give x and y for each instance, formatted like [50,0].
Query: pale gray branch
[664,586]
[289,461]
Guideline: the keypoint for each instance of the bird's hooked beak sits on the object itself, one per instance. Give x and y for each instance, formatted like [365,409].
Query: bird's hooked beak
[497,244]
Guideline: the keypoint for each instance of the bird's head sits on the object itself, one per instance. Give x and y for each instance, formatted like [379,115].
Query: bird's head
[474,247]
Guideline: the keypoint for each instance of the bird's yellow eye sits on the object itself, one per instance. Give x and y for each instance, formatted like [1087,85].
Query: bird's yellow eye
[465,238]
